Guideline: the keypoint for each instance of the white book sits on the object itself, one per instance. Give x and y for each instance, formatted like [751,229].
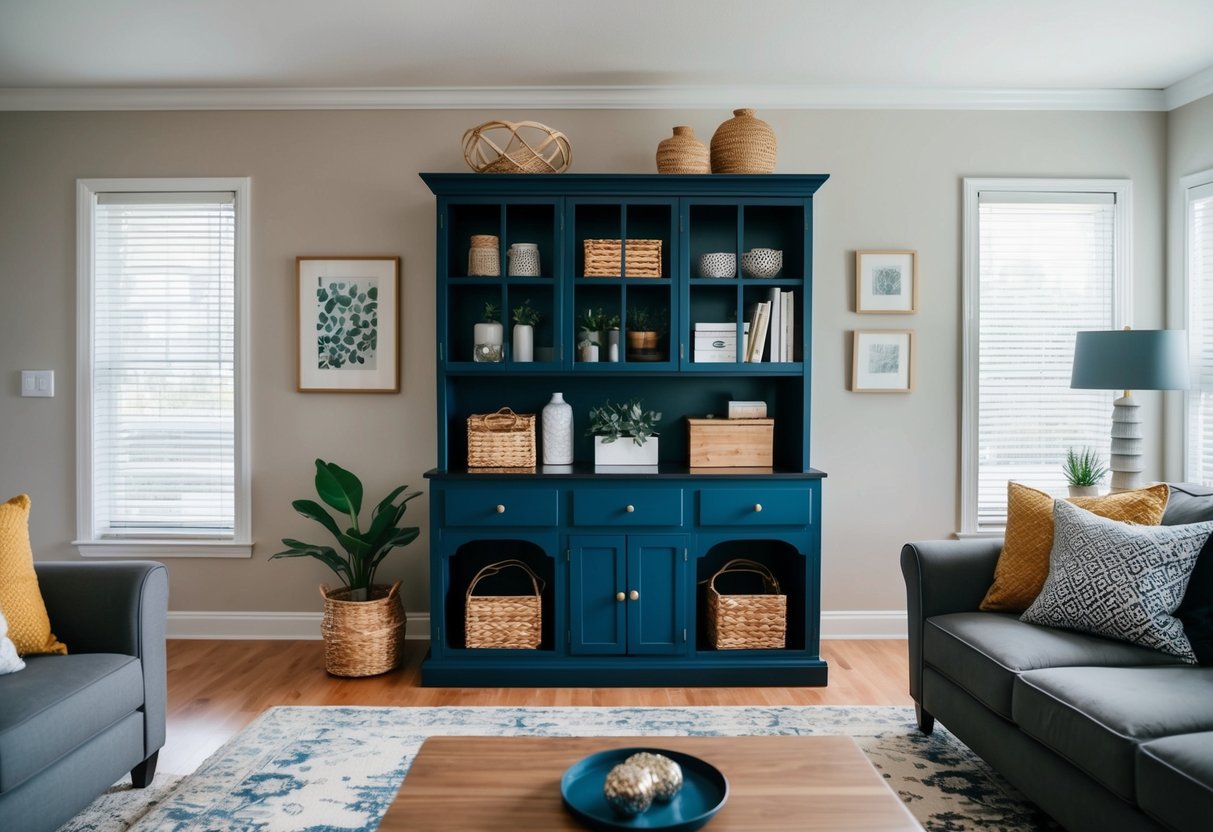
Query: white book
[789,330]
[776,325]
[758,332]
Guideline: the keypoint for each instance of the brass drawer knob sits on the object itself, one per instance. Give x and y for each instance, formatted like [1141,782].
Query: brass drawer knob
[757,506]
[630,509]
[500,509]
[634,595]
[619,596]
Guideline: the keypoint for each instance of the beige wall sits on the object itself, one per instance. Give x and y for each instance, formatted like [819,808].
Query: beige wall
[346,183]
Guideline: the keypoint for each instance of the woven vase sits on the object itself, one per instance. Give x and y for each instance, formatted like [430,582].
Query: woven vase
[362,638]
[683,153]
[743,144]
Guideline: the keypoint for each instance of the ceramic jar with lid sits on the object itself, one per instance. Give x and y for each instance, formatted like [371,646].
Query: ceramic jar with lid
[523,260]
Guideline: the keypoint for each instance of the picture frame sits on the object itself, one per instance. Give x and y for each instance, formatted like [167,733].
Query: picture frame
[350,345]
[883,361]
[886,282]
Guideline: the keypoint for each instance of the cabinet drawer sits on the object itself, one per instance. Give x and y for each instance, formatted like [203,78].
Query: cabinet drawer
[755,507]
[627,507]
[501,507]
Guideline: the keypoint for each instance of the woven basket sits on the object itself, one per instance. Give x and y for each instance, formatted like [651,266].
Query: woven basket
[506,621]
[362,638]
[504,439]
[603,258]
[521,147]
[739,622]
[683,153]
[743,144]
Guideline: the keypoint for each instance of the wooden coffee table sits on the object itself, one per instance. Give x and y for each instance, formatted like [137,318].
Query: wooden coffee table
[775,783]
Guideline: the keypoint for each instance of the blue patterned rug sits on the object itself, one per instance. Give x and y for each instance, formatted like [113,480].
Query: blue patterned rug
[338,769]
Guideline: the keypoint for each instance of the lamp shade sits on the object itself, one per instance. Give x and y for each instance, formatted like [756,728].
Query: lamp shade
[1131,359]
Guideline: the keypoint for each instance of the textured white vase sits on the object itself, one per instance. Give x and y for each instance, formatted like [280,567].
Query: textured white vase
[557,423]
[524,342]
[487,337]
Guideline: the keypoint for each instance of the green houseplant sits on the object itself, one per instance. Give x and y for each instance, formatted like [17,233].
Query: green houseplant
[364,623]
[1084,470]
[525,319]
[611,422]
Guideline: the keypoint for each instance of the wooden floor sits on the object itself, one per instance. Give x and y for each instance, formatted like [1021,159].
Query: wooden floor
[216,688]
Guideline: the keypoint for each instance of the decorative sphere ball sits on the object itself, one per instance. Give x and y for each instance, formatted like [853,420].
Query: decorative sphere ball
[667,774]
[628,790]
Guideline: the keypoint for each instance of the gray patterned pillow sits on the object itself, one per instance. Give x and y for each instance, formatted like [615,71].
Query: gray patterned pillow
[1118,580]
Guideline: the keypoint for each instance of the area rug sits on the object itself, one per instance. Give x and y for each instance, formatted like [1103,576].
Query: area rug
[337,769]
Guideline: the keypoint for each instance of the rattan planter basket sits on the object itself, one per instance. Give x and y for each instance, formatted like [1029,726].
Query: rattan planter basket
[362,638]
[504,439]
[604,258]
[506,621]
[740,622]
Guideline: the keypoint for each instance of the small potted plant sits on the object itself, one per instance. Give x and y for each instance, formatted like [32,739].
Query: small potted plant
[488,336]
[610,423]
[525,319]
[589,334]
[1084,471]
[363,606]
[610,325]
[644,333]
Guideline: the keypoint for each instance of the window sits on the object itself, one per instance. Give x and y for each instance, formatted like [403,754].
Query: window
[162,404]
[1198,271]
[1043,260]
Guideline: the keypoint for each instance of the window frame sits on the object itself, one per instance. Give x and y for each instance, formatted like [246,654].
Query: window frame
[1122,259]
[167,546]
[1181,277]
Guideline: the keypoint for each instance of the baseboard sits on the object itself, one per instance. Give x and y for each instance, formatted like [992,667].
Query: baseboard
[297,626]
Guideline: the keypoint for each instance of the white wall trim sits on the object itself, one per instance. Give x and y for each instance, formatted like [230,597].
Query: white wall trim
[305,626]
[591,98]
[1189,89]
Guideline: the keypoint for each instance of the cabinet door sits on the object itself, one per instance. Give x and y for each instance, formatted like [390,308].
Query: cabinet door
[597,576]
[656,618]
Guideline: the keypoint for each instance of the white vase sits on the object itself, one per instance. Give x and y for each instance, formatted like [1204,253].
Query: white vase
[524,342]
[523,259]
[623,451]
[557,425]
[487,337]
[613,345]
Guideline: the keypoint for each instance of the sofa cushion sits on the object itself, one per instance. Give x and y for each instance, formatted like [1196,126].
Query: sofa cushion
[20,598]
[1119,580]
[57,703]
[983,652]
[1175,780]
[1095,717]
[1024,562]
[1188,503]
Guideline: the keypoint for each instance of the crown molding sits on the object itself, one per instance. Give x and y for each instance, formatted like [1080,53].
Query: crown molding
[1189,89]
[590,98]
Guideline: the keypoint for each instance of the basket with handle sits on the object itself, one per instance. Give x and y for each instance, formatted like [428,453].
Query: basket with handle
[504,439]
[504,621]
[740,622]
[362,638]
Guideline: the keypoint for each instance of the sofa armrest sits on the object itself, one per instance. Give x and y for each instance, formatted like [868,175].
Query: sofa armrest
[114,607]
[943,576]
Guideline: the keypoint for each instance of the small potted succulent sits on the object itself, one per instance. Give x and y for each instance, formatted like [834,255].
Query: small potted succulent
[1084,471]
[525,319]
[644,334]
[624,434]
[488,335]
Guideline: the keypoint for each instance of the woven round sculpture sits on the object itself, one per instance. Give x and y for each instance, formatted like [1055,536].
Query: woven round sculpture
[683,153]
[362,638]
[521,147]
[743,144]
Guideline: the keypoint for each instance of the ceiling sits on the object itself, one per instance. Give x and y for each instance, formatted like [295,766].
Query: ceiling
[1142,54]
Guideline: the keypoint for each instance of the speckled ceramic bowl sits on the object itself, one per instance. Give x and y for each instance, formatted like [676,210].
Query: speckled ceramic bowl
[762,262]
[718,264]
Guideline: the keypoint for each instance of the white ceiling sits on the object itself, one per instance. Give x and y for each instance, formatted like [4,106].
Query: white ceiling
[576,50]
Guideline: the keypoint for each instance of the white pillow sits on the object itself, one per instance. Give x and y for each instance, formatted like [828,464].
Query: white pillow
[10,662]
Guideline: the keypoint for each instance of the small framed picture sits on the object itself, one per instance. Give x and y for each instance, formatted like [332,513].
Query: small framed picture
[348,338]
[886,282]
[883,361]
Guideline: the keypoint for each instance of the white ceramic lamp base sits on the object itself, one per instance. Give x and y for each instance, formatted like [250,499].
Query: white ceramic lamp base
[1125,462]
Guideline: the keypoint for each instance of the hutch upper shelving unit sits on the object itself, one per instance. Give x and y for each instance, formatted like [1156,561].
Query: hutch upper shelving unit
[624,557]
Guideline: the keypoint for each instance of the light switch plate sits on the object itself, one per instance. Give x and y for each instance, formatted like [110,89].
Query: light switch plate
[38,383]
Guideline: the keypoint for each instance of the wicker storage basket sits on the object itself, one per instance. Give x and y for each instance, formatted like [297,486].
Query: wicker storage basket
[504,439]
[737,622]
[603,258]
[507,621]
[362,638]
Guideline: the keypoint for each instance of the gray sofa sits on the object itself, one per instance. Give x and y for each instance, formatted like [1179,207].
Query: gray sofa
[1101,734]
[71,726]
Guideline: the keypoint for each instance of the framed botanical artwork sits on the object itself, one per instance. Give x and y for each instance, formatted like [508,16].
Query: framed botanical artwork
[886,282]
[348,338]
[883,361]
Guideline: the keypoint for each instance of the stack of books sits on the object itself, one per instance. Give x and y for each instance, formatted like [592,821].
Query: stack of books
[715,342]
[772,328]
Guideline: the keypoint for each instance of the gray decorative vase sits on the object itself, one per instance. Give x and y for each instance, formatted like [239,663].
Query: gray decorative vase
[557,426]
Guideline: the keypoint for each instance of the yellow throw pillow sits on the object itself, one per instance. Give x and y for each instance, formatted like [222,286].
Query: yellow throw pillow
[28,624]
[1023,564]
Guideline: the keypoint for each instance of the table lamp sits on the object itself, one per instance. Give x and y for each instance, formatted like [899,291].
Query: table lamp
[1129,359]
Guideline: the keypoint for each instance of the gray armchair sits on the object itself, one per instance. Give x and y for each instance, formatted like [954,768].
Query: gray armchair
[71,726]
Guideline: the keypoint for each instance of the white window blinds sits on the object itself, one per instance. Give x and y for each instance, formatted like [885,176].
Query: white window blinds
[1200,332]
[162,365]
[1045,270]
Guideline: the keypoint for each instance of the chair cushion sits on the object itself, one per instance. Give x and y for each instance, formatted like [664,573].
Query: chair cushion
[1024,561]
[59,702]
[1095,717]
[1119,580]
[1175,780]
[20,598]
[983,652]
